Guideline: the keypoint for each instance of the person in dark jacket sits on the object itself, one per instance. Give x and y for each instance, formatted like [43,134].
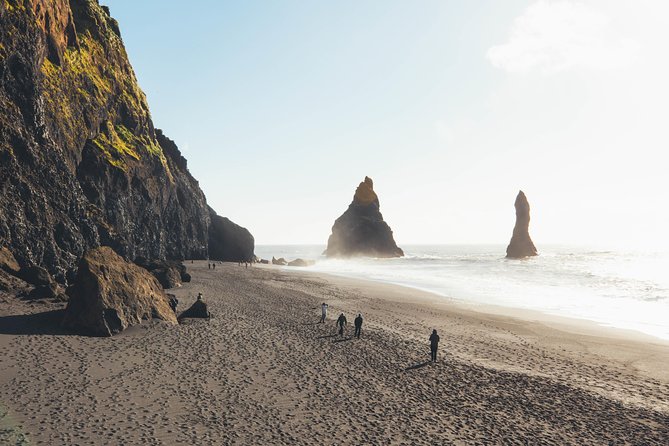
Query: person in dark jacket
[434,345]
[358,325]
[341,322]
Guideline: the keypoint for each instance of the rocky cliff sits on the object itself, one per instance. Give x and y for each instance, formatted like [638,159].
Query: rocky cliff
[81,164]
[521,244]
[361,231]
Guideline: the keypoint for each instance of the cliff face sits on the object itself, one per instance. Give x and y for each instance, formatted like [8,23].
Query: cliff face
[521,244]
[228,241]
[81,164]
[361,231]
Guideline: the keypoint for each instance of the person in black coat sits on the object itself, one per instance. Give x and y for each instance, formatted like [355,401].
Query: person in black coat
[434,345]
[341,322]
[358,325]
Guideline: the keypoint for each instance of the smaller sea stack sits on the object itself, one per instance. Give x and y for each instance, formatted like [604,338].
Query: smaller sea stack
[521,244]
[361,231]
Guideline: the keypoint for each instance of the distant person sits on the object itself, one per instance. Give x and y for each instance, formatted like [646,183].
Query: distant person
[199,296]
[209,265]
[434,345]
[358,325]
[213,266]
[324,312]
[341,322]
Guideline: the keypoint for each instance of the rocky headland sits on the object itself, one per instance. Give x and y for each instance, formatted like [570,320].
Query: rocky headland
[81,163]
[361,230]
[521,244]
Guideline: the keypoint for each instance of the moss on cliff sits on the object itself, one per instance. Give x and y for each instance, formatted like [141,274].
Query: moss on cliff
[94,95]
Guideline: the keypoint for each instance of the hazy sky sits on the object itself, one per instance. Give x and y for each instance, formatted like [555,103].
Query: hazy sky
[282,108]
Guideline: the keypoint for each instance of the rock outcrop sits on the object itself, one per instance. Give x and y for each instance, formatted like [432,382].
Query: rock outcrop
[197,310]
[170,273]
[81,164]
[361,231]
[7,261]
[228,241]
[280,261]
[110,294]
[521,244]
[35,275]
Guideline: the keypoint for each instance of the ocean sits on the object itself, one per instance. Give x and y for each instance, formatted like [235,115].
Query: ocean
[623,289]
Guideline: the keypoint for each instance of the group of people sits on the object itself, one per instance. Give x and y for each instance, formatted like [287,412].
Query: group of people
[342,322]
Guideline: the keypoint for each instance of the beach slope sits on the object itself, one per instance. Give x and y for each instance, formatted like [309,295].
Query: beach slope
[264,371]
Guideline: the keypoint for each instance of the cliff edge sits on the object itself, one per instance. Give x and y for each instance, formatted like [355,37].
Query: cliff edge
[81,164]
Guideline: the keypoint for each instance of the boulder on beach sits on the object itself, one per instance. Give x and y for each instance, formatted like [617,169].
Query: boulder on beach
[110,294]
[280,261]
[197,310]
[521,244]
[49,291]
[35,275]
[361,231]
[264,261]
[170,273]
[301,262]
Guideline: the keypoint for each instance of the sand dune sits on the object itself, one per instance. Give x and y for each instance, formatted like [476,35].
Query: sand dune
[263,371]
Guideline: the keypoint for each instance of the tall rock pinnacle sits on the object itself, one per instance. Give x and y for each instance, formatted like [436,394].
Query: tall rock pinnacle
[361,231]
[521,244]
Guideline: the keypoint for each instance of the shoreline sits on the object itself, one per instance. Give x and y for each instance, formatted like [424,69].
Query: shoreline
[572,324]
[262,370]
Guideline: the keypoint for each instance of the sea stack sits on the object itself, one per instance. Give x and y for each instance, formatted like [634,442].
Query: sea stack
[361,231]
[521,244]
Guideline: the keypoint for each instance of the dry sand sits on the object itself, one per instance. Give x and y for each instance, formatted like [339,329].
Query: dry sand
[263,371]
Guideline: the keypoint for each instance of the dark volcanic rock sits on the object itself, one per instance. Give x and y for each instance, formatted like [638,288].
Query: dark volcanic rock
[7,261]
[229,241]
[521,244]
[49,291]
[111,294]
[35,275]
[11,284]
[170,273]
[168,277]
[81,164]
[197,310]
[361,231]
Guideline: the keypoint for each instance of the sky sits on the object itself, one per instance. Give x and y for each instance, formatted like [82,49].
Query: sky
[451,107]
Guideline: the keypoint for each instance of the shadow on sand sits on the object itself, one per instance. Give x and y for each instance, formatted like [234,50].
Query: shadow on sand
[46,323]
[327,336]
[417,366]
[342,340]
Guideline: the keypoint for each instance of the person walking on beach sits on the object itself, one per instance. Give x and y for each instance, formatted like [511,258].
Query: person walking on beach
[324,312]
[341,322]
[358,325]
[434,345]
[209,265]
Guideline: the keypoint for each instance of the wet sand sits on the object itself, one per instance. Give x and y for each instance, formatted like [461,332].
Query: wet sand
[264,371]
